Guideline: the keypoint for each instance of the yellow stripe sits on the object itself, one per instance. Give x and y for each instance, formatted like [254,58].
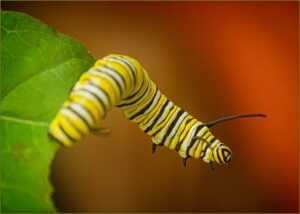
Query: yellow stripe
[133,109]
[184,138]
[168,115]
[104,84]
[92,100]
[201,145]
[215,155]
[125,73]
[138,107]
[194,148]
[141,91]
[221,155]
[78,123]
[187,128]
[90,108]
[155,110]
[181,128]
[69,129]
[120,70]
[139,69]
[112,84]
[57,133]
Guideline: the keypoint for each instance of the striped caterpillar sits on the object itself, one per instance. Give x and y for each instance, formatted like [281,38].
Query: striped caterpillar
[118,80]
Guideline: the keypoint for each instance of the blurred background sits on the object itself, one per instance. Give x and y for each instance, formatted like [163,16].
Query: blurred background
[214,59]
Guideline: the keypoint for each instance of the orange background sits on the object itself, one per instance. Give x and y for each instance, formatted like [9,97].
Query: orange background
[214,59]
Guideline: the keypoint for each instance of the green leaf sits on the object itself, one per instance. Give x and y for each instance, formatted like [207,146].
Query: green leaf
[38,68]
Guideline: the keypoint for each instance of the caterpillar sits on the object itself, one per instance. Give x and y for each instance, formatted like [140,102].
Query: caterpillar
[119,80]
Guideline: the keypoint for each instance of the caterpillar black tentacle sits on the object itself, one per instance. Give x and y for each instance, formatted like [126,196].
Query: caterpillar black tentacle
[120,81]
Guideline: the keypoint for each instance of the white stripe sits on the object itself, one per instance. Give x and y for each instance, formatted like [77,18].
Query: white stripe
[145,126]
[129,62]
[88,96]
[123,64]
[67,112]
[122,59]
[98,82]
[188,139]
[156,98]
[163,116]
[204,129]
[97,92]
[84,113]
[62,137]
[133,99]
[104,76]
[209,150]
[114,74]
[71,114]
[136,104]
[77,85]
[207,154]
[178,123]
[216,142]
[165,128]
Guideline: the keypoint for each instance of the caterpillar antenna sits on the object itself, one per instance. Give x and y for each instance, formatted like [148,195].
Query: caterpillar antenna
[223,119]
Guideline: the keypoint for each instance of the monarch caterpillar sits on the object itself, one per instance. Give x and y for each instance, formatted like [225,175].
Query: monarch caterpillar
[118,80]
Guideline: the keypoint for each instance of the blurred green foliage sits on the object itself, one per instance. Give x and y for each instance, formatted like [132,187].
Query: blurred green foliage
[38,68]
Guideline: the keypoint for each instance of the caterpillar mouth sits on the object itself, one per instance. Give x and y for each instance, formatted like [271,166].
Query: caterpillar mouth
[228,159]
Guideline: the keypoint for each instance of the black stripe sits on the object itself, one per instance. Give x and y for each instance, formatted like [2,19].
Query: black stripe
[114,79]
[101,89]
[204,140]
[155,111]
[92,116]
[98,99]
[162,110]
[216,157]
[170,128]
[223,153]
[66,133]
[180,142]
[129,67]
[113,70]
[208,144]
[176,132]
[81,117]
[133,72]
[155,133]
[74,126]
[133,95]
[133,102]
[141,112]
[198,129]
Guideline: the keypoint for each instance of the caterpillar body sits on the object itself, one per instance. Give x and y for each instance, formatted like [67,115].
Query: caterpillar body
[118,80]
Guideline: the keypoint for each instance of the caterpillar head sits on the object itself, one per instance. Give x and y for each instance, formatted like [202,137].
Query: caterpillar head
[221,154]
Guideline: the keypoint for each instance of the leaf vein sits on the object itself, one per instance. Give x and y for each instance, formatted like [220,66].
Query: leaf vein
[23,121]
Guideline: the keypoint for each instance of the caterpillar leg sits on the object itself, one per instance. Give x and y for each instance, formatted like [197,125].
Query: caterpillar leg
[154,146]
[184,161]
[100,131]
[211,165]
